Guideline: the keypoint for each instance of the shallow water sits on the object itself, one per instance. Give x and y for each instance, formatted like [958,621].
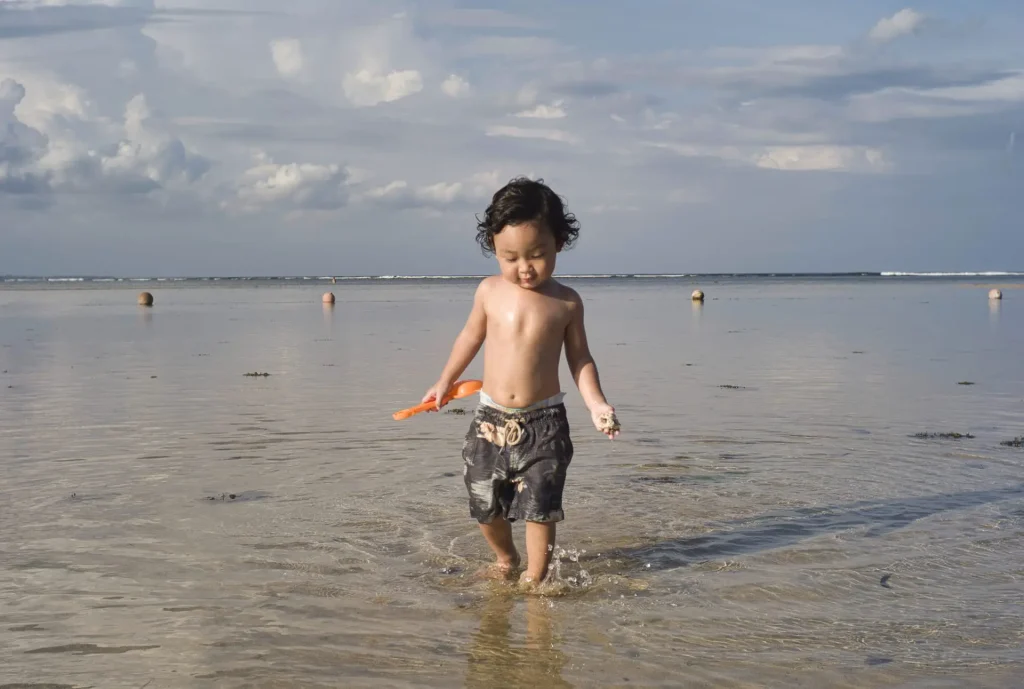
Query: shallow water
[786,530]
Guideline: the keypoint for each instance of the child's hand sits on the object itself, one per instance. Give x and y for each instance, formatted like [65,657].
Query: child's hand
[435,394]
[605,421]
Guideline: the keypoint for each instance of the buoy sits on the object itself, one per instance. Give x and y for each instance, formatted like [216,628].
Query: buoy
[328,297]
[145,299]
[995,294]
[697,295]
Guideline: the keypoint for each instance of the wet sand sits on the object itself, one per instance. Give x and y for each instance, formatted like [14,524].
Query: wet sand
[767,517]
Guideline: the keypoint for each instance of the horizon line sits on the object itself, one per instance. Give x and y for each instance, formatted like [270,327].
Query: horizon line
[604,275]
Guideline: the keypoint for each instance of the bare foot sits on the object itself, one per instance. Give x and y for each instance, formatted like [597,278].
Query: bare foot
[528,582]
[502,570]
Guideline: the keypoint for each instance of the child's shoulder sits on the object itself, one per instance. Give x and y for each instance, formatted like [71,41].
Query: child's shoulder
[488,284]
[485,288]
[566,293]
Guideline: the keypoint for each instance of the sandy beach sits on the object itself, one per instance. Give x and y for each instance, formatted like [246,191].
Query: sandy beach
[812,488]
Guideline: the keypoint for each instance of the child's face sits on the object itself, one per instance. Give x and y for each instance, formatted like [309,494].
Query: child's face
[526,254]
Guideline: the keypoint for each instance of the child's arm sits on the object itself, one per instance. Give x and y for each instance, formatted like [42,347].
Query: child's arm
[584,371]
[467,344]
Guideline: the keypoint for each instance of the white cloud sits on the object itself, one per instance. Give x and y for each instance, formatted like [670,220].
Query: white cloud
[455,86]
[48,102]
[290,186]
[953,101]
[145,157]
[399,194]
[301,82]
[822,158]
[367,88]
[525,133]
[287,56]
[441,193]
[20,144]
[544,112]
[800,158]
[904,22]
[1009,89]
[63,150]
[482,185]
[436,196]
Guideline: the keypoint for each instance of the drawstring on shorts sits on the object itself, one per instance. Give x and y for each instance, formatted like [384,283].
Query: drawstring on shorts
[509,435]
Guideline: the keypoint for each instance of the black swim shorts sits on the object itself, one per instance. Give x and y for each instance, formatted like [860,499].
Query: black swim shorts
[515,463]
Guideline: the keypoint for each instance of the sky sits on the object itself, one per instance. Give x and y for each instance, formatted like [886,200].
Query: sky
[364,137]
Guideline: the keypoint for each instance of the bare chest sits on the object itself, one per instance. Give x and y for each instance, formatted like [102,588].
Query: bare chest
[529,316]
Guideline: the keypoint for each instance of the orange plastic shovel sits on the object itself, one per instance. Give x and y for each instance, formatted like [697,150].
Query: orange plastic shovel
[458,390]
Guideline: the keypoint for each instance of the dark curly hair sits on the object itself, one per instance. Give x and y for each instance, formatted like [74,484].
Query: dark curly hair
[524,200]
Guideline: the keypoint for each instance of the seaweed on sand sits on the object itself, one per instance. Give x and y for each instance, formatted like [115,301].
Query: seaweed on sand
[942,436]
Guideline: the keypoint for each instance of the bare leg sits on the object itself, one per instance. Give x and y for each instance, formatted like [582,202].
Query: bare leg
[540,544]
[499,536]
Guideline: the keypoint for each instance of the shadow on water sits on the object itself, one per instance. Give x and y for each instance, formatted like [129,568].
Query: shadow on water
[780,529]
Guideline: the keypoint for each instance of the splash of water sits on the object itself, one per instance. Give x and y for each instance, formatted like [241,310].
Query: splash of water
[565,570]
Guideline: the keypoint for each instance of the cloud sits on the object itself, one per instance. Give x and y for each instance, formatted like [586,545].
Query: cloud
[45,153]
[287,56]
[527,133]
[400,194]
[455,86]
[802,158]
[904,22]
[544,112]
[1005,92]
[367,111]
[290,186]
[822,158]
[20,145]
[366,88]
[40,19]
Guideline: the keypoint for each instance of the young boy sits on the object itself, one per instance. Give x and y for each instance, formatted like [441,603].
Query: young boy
[518,447]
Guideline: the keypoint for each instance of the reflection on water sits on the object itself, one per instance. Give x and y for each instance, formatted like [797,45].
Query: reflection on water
[497,658]
[767,514]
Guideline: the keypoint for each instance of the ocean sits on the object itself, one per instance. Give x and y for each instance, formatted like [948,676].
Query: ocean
[817,485]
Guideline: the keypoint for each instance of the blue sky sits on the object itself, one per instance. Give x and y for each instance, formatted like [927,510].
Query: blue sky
[196,137]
